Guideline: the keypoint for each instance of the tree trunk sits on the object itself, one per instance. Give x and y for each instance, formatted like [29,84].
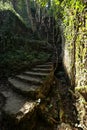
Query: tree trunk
[38,12]
[31,19]
[73,57]
[14,3]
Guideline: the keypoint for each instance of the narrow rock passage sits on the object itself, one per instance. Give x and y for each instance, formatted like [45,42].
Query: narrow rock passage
[67,98]
[58,110]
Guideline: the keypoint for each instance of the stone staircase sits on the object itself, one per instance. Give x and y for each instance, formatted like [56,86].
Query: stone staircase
[22,95]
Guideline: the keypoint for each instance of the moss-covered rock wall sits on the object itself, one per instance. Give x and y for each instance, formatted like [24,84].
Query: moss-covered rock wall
[75,51]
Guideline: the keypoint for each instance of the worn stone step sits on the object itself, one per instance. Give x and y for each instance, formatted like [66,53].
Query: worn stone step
[29,79]
[17,107]
[44,66]
[41,70]
[23,87]
[36,74]
[49,63]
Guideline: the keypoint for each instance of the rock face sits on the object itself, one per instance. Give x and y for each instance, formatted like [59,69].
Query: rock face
[23,94]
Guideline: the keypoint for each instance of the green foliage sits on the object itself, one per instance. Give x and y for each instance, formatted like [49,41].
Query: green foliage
[43,3]
[5,6]
[8,6]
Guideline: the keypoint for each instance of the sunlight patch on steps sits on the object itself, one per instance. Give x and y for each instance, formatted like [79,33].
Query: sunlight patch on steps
[28,107]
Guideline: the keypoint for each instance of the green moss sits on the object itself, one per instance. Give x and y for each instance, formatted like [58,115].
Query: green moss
[83,91]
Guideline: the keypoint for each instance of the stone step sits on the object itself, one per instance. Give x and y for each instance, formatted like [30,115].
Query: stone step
[29,79]
[17,107]
[47,66]
[36,74]
[23,87]
[42,70]
[49,63]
